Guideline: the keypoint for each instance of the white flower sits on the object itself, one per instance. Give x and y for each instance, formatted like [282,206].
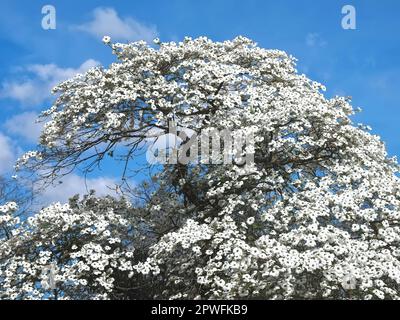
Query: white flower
[349,282]
[250,221]
[106,39]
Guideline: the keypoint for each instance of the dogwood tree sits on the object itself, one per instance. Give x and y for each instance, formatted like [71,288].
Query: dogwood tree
[315,215]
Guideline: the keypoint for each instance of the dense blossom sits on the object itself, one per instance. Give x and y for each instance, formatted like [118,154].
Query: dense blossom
[8,220]
[315,216]
[82,249]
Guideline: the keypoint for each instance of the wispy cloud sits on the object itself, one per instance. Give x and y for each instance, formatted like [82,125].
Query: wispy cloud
[7,154]
[24,125]
[107,22]
[73,184]
[315,40]
[38,80]
[383,83]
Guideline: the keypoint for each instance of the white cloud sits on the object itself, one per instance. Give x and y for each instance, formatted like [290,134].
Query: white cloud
[73,184]
[315,40]
[107,22]
[7,154]
[42,78]
[24,125]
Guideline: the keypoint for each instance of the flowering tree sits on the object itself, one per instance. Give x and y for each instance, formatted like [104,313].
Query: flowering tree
[315,215]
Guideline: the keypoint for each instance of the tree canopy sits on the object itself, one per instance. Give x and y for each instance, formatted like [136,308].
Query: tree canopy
[314,215]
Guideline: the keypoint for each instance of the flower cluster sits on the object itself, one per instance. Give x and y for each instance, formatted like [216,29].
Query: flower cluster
[7,219]
[63,248]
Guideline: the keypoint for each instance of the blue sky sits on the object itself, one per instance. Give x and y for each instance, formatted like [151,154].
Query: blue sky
[362,63]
